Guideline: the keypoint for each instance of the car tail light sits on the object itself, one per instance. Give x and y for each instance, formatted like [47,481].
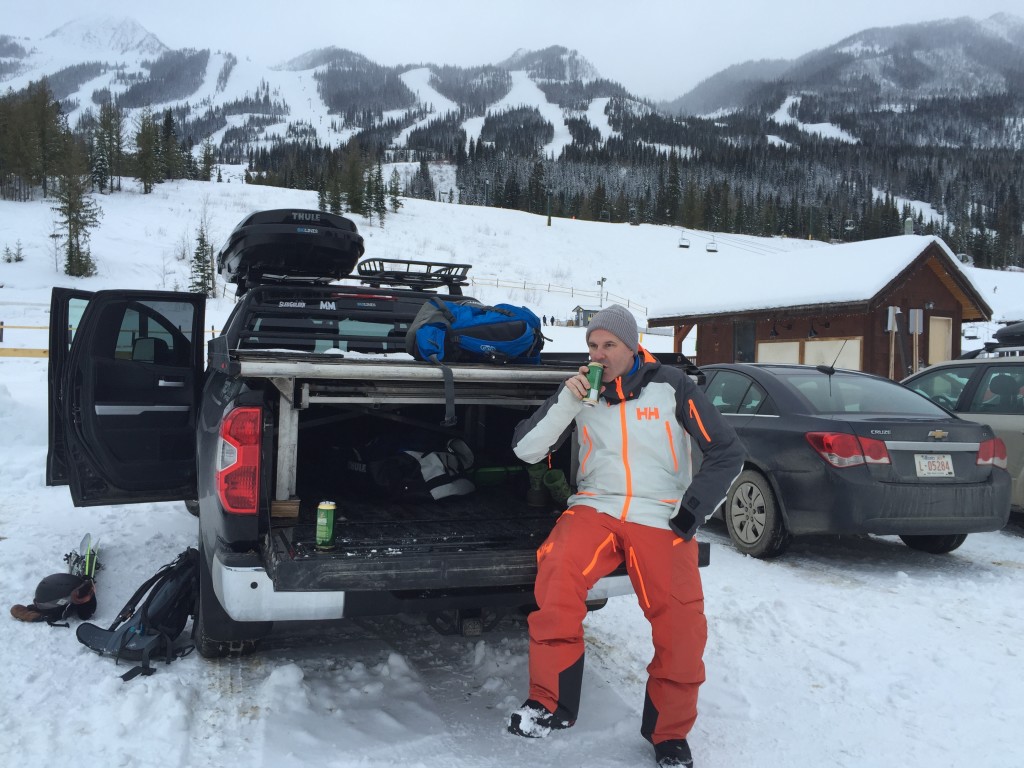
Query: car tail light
[992,453]
[238,463]
[841,449]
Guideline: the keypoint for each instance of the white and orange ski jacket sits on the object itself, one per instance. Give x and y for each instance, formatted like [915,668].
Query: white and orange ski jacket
[636,448]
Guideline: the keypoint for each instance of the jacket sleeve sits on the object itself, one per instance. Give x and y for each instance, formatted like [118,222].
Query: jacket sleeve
[535,437]
[722,452]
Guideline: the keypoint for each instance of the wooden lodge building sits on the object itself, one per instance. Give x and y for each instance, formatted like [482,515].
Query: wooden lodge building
[886,306]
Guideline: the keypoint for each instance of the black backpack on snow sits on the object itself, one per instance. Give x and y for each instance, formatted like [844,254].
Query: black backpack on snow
[150,629]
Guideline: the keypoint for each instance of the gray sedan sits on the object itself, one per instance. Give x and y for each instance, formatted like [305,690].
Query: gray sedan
[836,451]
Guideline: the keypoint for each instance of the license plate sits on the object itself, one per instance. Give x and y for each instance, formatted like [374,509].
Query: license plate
[934,464]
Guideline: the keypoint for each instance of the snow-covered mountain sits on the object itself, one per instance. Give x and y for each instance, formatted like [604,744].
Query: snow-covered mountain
[899,64]
[223,93]
[325,94]
[103,35]
[938,106]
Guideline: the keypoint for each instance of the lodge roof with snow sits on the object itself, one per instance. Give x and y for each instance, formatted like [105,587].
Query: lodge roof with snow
[851,277]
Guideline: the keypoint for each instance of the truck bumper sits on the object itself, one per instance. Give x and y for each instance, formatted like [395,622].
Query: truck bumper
[247,593]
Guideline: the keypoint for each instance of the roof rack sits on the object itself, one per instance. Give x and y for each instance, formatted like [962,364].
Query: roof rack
[413,274]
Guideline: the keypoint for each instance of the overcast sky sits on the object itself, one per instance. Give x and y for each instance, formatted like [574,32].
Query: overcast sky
[656,48]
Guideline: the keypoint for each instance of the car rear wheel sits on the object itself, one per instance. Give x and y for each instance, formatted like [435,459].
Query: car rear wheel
[753,518]
[936,545]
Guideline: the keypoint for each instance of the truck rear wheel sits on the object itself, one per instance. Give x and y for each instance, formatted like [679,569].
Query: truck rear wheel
[936,545]
[214,633]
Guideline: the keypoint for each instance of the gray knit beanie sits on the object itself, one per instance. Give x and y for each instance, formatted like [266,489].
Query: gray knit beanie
[616,320]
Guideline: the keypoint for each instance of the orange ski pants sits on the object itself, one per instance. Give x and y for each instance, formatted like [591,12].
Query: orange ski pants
[585,545]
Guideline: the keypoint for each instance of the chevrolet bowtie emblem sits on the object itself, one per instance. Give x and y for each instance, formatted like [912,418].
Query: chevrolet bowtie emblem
[938,434]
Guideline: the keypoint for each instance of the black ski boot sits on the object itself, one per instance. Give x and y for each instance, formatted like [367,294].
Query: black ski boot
[673,752]
[533,721]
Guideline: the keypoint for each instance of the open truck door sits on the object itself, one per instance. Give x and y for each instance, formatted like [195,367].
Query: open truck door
[124,394]
[66,308]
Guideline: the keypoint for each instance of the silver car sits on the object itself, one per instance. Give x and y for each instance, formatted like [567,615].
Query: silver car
[987,390]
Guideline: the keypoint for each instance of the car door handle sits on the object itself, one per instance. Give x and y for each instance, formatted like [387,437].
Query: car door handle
[137,410]
[170,383]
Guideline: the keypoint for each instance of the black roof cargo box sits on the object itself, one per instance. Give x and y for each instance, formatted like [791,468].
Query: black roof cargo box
[288,244]
[1010,335]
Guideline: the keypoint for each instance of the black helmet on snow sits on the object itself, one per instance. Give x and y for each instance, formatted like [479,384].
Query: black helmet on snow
[57,597]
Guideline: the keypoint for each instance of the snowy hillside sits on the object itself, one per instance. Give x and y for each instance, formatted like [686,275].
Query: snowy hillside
[516,257]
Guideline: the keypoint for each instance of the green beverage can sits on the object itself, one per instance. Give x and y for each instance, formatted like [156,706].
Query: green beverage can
[594,378]
[325,524]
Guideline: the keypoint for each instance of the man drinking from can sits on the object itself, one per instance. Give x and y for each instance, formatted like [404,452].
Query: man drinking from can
[638,501]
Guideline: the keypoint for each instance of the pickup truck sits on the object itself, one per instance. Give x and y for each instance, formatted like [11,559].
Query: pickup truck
[277,416]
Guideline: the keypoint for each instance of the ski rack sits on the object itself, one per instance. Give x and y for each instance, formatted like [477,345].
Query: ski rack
[421,275]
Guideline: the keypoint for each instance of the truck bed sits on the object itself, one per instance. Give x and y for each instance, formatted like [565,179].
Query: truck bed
[488,538]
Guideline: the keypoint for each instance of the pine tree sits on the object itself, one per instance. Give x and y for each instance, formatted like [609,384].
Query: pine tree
[672,193]
[170,154]
[394,189]
[111,137]
[147,168]
[206,165]
[321,194]
[693,215]
[368,194]
[380,205]
[201,271]
[46,127]
[424,183]
[99,167]
[76,212]
[334,196]
[353,179]
[599,201]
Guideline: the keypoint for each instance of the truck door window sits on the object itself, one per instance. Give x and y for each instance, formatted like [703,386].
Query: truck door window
[75,309]
[143,334]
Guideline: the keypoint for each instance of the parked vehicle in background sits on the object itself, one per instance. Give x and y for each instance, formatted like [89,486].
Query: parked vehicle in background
[844,452]
[986,390]
[1008,341]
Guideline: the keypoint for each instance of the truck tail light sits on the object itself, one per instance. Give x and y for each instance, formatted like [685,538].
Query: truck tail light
[238,462]
[841,449]
[992,453]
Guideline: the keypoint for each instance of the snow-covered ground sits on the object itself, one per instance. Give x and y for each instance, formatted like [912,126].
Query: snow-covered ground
[855,652]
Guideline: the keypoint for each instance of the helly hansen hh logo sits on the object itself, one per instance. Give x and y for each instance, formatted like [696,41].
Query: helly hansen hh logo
[646,413]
